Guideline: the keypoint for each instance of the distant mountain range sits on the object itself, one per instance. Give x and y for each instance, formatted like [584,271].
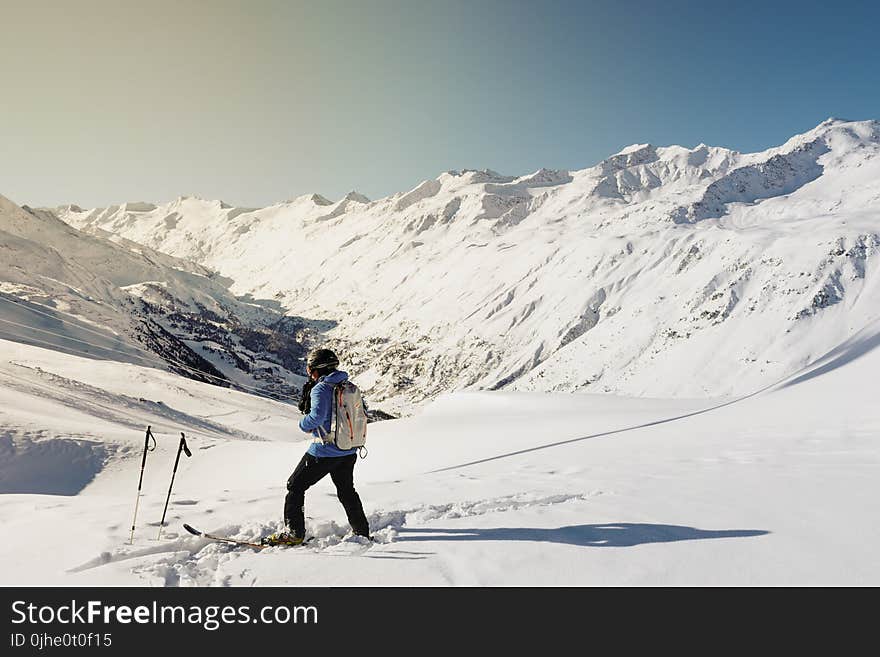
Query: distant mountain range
[660,271]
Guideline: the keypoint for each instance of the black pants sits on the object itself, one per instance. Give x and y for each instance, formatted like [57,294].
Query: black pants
[310,471]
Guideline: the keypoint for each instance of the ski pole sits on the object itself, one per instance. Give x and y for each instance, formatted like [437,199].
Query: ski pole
[181,448]
[137,500]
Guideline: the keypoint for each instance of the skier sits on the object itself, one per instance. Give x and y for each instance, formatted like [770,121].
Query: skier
[322,457]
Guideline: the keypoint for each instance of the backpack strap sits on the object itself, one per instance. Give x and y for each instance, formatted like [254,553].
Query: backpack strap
[332,407]
[335,396]
[347,419]
[321,432]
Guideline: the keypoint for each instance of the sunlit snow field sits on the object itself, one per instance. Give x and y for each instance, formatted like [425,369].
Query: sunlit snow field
[779,488]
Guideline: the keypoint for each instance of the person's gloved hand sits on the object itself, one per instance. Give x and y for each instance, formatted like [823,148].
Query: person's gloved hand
[305,400]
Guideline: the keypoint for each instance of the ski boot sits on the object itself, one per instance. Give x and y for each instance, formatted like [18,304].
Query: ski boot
[282,538]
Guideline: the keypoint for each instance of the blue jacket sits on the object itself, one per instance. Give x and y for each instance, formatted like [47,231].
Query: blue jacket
[322,406]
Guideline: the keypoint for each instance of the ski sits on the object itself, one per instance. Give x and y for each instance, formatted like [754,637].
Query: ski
[223,539]
[235,541]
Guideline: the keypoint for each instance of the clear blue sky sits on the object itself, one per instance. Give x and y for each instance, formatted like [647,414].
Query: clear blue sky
[255,102]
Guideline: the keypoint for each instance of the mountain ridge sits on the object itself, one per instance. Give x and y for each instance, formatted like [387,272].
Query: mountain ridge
[565,280]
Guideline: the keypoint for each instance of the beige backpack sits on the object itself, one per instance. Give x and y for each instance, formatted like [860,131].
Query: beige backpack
[348,417]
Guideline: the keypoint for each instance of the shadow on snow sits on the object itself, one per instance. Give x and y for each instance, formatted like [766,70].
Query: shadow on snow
[623,534]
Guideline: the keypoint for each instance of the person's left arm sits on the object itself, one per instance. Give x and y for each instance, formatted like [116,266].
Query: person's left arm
[319,408]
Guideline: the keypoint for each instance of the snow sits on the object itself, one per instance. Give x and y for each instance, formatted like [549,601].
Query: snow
[657,371]
[105,295]
[482,488]
[475,280]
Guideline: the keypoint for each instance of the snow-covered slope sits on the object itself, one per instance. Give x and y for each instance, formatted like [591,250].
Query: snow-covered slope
[733,297]
[660,271]
[109,297]
[481,488]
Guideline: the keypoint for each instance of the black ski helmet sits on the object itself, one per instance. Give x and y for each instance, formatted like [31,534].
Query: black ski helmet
[322,361]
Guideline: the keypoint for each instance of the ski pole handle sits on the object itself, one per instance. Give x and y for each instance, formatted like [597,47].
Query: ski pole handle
[147,438]
[181,447]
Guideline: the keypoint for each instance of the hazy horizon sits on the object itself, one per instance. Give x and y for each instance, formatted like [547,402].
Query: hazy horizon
[264,101]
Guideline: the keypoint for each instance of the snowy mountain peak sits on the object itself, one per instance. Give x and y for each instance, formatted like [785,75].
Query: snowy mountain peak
[317,199]
[833,120]
[475,176]
[545,177]
[633,148]
[136,206]
[840,134]
[357,197]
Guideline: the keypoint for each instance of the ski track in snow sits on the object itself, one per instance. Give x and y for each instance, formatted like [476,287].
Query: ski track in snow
[196,561]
